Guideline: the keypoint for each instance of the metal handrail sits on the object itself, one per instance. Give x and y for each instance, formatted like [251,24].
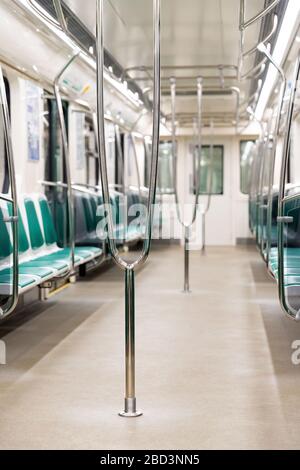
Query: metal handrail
[136,162]
[209,192]
[186,226]
[11,304]
[245,24]
[130,409]
[61,16]
[66,154]
[291,313]
[266,39]
[259,67]
[263,49]
[273,158]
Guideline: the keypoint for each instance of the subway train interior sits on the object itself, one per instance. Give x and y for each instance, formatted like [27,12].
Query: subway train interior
[149,225]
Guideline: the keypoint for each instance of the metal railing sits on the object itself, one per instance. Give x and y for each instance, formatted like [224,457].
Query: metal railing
[282,219]
[273,142]
[66,154]
[130,409]
[11,303]
[258,69]
[209,190]
[186,226]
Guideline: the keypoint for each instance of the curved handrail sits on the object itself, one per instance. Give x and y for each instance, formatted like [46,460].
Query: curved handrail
[291,313]
[273,143]
[267,38]
[136,162]
[155,141]
[66,154]
[130,409]
[11,304]
[174,149]
[210,171]
[244,24]
[266,51]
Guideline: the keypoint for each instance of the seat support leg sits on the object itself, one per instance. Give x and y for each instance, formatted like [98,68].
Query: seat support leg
[130,410]
[82,270]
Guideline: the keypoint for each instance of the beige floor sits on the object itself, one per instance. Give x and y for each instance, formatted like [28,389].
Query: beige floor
[213,368]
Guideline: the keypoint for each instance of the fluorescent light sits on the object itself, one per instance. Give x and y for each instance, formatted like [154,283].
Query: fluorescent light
[287,30]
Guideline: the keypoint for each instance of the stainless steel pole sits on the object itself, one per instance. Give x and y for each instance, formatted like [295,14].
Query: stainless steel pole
[130,400]
[186,226]
[186,289]
[66,154]
[203,250]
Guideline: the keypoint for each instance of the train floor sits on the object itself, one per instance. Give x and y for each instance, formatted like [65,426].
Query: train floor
[214,367]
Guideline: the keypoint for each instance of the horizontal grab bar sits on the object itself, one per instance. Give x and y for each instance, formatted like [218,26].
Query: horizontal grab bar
[6,198]
[245,24]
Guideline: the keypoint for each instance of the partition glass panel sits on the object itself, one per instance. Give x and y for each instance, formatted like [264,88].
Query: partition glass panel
[291,213]
[110,141]
[6,211]
[246,159]
[165,182]
[208,163]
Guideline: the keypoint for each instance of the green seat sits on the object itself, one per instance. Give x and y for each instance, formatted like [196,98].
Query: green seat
[45,262]
[24,280]
[292,281]
[288,263]
[81,253]
[288,253]
[33,271]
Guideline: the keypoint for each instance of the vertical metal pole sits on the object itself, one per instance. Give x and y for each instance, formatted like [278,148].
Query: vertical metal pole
[130,406]
[66,155]
[186,289]
[203,234]
[130,410]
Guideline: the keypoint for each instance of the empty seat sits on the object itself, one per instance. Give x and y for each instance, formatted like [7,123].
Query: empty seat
[82,254]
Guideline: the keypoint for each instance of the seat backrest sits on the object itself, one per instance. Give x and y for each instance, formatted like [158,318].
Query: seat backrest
[88,213]
[35,232]
[80,222]
[48,224]
[5,242]
[22,238]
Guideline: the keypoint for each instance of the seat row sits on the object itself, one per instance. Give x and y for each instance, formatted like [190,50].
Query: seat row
[40,257]
[44,253]
[291,236]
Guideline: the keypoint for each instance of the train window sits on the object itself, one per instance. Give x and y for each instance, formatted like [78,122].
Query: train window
[217,170]
[148,150]
[54,167]
[165,167]
[246,147]
[110,140]
[119,160]
[4,176]
[92,164]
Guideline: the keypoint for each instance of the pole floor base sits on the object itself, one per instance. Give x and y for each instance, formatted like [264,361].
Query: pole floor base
[186,291]
[129,414]
[130,410]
